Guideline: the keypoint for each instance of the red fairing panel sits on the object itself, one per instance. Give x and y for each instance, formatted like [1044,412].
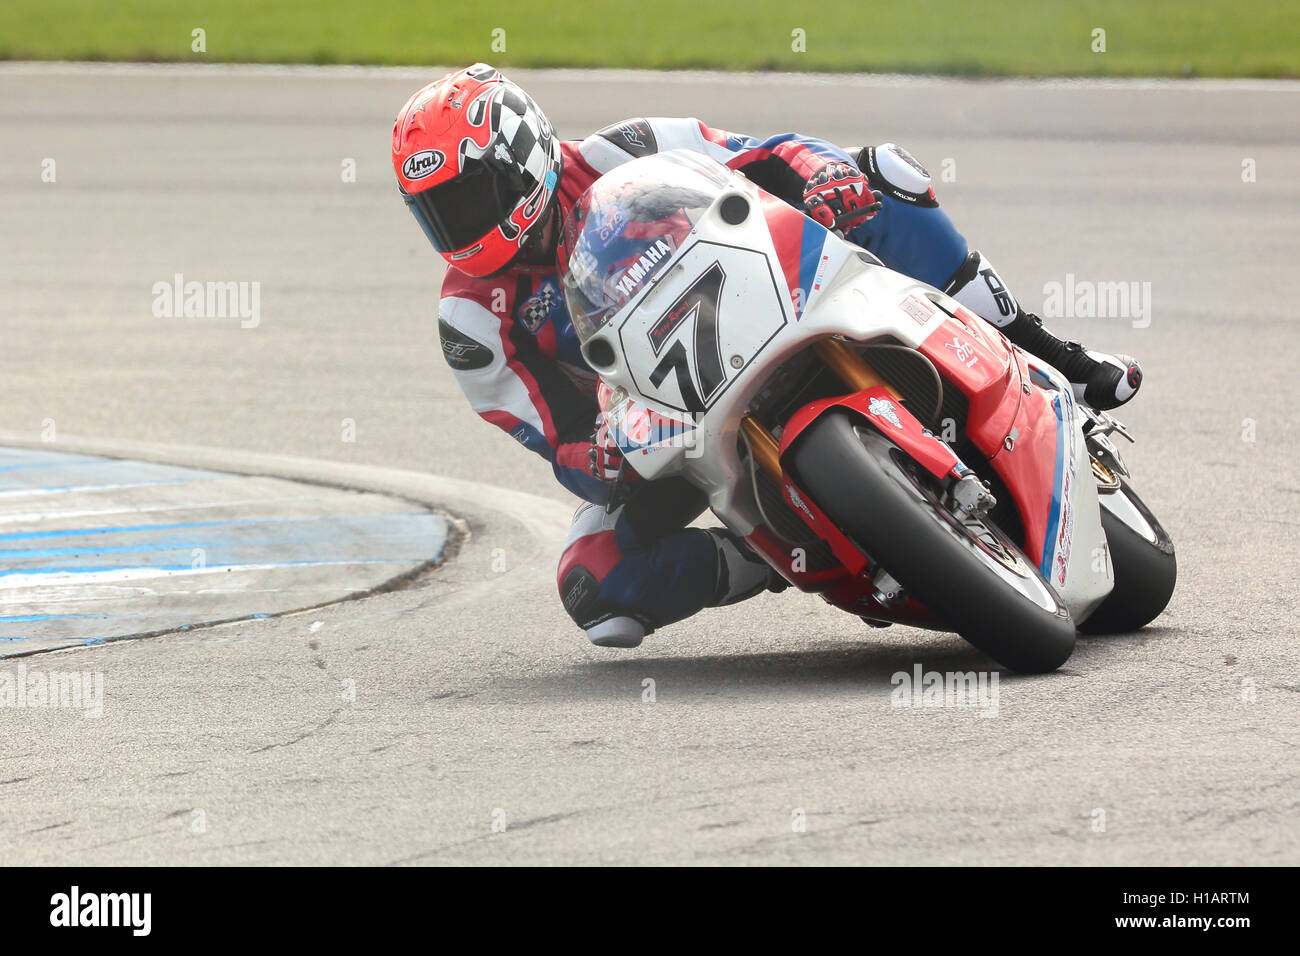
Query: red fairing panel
[981,366]
[991,372]
[786,226]
[1028,467]
[884,411]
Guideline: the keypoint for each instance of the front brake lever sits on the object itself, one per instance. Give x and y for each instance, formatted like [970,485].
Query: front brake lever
[851,214]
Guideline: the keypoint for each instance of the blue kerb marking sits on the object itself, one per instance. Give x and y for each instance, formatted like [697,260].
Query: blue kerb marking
[49,464]
[131,529]
[1054,518]
[45,472]
[207,546]
[20,554]
[25,618]
[339,542]
[190,567]
[810,252]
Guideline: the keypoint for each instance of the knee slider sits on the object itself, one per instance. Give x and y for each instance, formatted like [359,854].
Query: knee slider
[897,174]
[606,624]
[580,595]
[617,632]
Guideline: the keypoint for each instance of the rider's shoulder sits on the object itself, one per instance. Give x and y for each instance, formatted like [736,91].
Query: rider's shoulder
[643,136]
[492,292]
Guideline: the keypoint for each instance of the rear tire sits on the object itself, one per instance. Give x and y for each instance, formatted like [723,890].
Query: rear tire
[1145,570]
[968,573]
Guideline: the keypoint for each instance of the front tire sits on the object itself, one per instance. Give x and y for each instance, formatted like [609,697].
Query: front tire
[967,572]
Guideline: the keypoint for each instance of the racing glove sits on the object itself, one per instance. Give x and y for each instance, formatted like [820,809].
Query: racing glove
[605,458]
[838,197]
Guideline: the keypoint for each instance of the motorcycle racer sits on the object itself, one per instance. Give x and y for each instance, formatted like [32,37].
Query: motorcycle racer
[490,183]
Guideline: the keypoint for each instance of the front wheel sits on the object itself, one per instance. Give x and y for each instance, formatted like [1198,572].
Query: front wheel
[964,570]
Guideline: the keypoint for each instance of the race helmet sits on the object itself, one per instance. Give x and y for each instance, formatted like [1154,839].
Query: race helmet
[478,164]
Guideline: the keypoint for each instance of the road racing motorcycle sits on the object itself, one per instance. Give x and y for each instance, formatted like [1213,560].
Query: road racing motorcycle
[877,443]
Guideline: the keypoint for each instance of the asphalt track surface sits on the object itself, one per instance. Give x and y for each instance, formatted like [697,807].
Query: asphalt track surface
[473,701]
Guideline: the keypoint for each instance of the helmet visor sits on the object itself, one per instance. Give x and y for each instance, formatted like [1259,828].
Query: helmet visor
[463,210]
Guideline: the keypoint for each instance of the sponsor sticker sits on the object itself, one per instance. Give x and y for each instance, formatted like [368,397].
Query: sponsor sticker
[965,352]
[424,163]
[917,308]
[821,273]
[638,269]
[884,408]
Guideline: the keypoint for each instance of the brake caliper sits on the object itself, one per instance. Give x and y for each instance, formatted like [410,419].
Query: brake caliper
[971,496]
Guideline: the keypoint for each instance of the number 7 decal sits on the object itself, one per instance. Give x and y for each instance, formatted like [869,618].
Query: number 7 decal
[697,310]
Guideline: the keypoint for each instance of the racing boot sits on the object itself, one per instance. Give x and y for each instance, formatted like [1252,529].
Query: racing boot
[1100,380]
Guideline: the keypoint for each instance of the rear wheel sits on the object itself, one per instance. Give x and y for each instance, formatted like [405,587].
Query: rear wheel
[1142,557]
[965,570]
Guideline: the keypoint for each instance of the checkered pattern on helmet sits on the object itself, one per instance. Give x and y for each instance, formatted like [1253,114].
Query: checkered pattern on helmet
[524,130]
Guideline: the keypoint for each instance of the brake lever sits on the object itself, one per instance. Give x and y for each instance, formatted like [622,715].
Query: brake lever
[864,214]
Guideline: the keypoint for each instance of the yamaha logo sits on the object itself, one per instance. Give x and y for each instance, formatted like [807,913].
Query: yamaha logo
[424,163]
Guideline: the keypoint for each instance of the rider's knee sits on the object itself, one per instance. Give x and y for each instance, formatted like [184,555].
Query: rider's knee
[898,174]
[590,555]
[605,623]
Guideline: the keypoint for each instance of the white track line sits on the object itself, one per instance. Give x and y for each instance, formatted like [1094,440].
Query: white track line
[544,518]
[15,580]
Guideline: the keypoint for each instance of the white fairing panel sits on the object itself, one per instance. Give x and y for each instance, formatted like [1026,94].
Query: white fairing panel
[1076,558]
[1121,506]
[719,281]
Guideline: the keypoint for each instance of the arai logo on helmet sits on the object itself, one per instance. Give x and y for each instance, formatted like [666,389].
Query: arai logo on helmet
[424,163]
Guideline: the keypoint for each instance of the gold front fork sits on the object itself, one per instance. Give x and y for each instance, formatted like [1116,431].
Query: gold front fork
[850,367]
[763,447]
[853,372]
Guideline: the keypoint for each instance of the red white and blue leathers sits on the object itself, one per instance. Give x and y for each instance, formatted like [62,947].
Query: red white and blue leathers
[512,347]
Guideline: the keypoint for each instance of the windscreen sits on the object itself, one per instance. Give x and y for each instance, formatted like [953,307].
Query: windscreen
[627,226]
